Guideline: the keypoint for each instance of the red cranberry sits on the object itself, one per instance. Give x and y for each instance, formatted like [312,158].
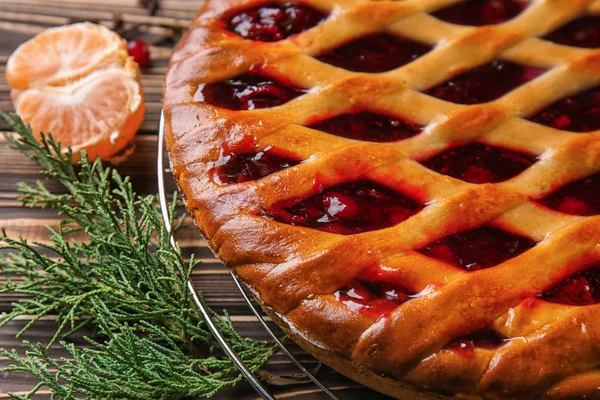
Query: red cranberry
[247,92]
[478,163]
[138,49]
[578,198]
[579,290]
[485,83]
[467,344]
[373,298]
[375,53]
[583,32]
[577,113]
[340,205]
[480,12]
[237,168]
[369,127]
[275,22]
[348,208]
[478,248]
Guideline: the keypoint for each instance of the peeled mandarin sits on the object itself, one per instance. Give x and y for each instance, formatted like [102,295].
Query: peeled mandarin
[78,83]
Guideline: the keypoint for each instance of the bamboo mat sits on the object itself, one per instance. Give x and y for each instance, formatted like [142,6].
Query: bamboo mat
[160,23]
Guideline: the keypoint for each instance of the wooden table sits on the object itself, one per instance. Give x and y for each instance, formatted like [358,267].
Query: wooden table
[159,23]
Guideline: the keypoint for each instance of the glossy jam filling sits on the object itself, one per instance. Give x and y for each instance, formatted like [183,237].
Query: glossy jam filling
[369,127]
[466,345]
[375,299]
[479,163]
[478,248]
[583,32]
[375,53]
[485,83]
[578,290]
[579,198]
[247,92]
[348,208]
[238,168]
[275,22]
[578,113]
[481,12]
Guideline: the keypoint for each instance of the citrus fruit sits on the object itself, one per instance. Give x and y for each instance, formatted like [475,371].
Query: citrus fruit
[78,83]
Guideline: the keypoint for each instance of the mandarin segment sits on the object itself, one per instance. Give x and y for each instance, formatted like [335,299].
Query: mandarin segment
[100,113]
[63,55]
[78,83]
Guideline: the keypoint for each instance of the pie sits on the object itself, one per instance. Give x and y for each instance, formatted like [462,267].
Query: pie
[411,188]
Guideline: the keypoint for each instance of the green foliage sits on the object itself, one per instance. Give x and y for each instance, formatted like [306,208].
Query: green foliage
[125,280]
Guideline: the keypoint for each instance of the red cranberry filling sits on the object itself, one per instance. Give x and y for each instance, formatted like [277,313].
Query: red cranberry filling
[467,344]
[578,290]
[374,299]
[348,208]
[583,32]
[481,12]
[478,248]
[375,53]
[247,92]
[485,83]
[238,168]
[479,163]
[579,198]
[275,22]
[578,113]
[369,127]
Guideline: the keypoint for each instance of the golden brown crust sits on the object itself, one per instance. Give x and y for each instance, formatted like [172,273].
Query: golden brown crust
[553,348]
[350,369]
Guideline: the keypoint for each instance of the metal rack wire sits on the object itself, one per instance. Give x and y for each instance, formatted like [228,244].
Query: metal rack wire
[256,384]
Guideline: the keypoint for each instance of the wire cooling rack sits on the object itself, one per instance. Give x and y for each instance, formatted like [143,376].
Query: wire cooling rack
[163,170]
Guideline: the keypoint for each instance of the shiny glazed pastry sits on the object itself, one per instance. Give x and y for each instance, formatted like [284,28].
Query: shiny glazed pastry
[410,188]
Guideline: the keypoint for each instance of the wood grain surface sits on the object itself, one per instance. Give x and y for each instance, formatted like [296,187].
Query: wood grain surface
[160,23]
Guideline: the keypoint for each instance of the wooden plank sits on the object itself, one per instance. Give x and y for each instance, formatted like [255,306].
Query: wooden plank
[140,166]
[33,18]
[48,10]
[89,6]
[278,364]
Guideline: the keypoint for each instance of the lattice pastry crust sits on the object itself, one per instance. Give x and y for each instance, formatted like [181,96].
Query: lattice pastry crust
[551,350]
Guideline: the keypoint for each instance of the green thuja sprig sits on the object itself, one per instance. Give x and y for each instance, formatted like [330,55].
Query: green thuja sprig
[124,280]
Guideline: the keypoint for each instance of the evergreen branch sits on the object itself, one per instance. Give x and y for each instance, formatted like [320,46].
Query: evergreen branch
[125,279]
